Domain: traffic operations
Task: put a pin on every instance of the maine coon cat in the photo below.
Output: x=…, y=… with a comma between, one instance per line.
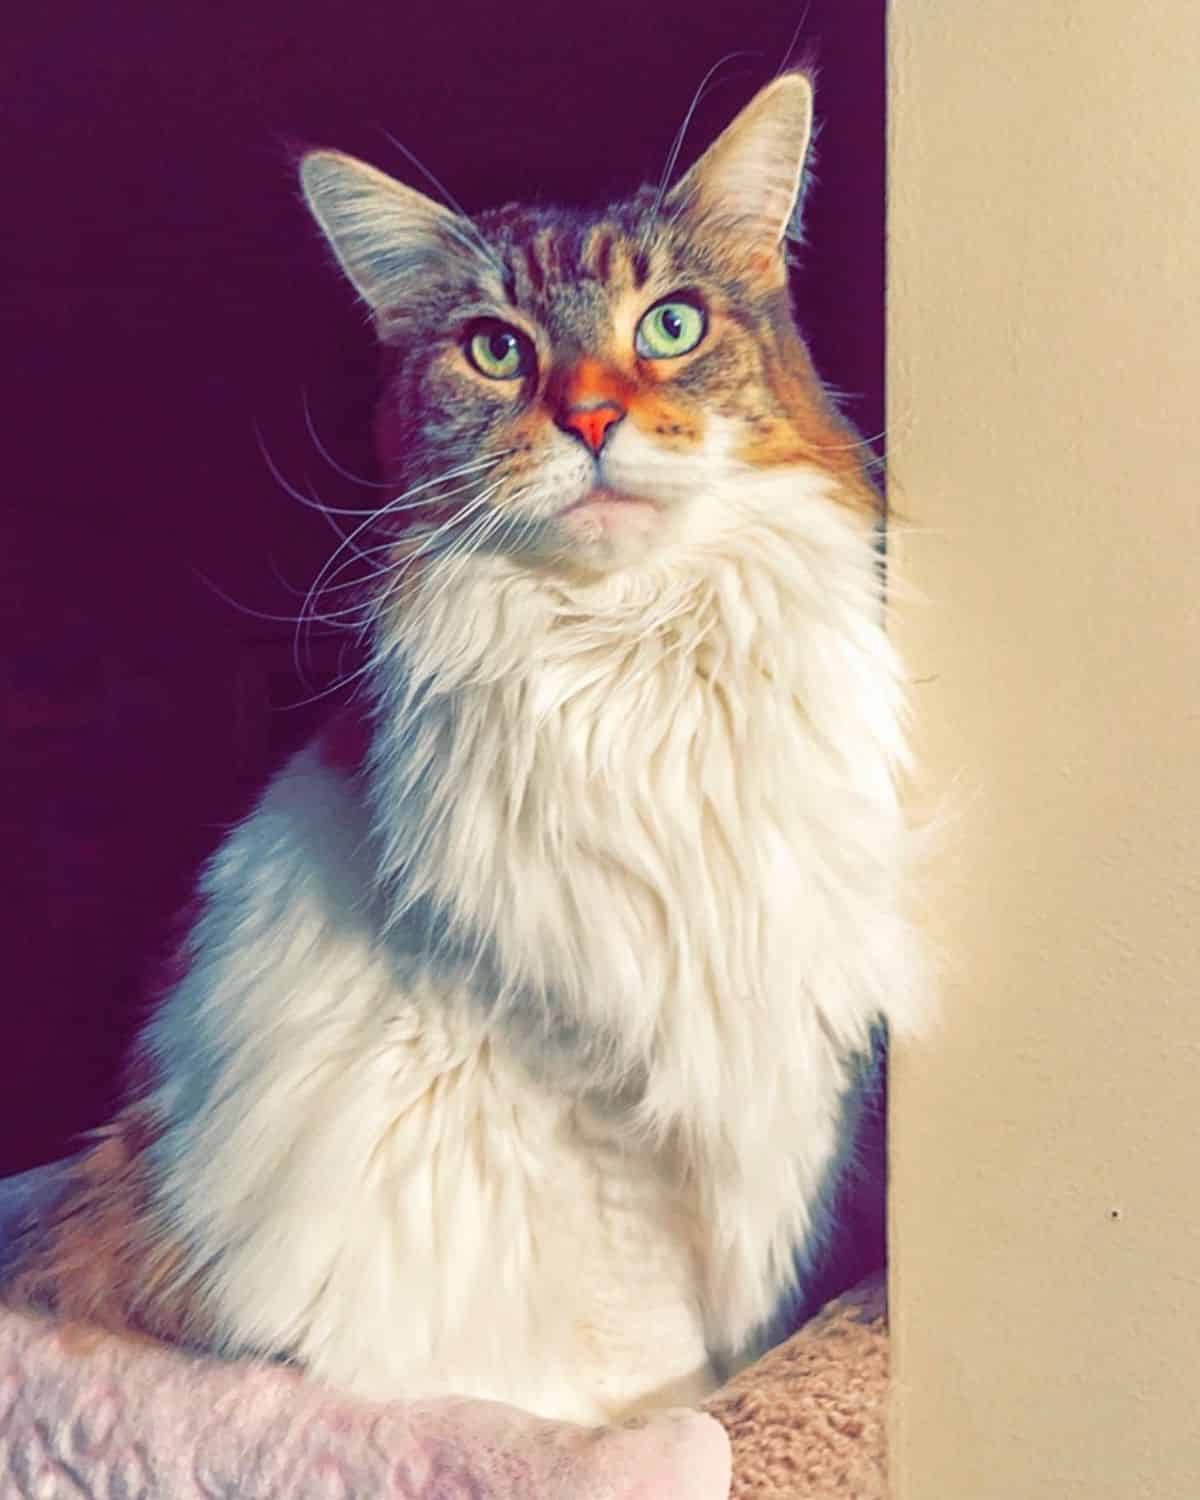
x=507, y=1049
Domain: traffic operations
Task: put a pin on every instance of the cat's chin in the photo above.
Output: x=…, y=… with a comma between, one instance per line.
x=608, y=529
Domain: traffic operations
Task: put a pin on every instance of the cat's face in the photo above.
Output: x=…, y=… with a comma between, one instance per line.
x=579, y=390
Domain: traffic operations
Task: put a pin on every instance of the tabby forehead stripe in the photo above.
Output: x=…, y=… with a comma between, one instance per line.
x=534, y=256
x=533, y=266
x=550, y=253
x=573, y=247
x=602, y=253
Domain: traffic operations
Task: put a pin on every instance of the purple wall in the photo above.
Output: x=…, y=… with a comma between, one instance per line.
x=163, y=294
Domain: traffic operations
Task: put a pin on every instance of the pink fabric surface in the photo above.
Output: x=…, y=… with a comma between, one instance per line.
x=85, y=1416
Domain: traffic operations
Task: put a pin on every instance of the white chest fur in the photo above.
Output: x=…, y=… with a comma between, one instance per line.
x=523, y=1078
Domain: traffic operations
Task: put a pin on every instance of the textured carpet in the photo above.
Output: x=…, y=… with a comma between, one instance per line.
x=809, y=1420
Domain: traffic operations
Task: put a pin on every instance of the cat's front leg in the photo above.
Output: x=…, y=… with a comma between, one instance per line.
x=762, y=1224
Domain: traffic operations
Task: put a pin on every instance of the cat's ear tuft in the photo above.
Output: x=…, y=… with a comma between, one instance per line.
x=383, y=233
x=750, y=182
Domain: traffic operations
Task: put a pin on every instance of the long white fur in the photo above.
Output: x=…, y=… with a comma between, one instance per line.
x=519, y=1076
x=515, y=1069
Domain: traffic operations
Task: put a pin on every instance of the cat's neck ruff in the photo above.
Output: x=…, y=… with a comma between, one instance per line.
x=657, y=808
x=785, y=552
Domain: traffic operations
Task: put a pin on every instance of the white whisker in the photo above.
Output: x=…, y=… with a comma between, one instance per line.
x=454, y=560
x=367, y=484
x=374, y=517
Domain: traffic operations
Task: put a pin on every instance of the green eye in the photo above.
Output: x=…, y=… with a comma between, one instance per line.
x=499, y=352
x=670, y=328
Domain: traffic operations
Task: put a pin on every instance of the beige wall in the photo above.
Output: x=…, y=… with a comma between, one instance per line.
x=1045, y=425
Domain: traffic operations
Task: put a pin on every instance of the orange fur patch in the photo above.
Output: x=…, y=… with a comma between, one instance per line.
x=808, y=429
x=99, y=1261
x=591, y=381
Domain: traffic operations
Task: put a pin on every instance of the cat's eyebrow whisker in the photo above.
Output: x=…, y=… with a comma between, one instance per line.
x=474, y=241
x=790, y=49
x=677, y=144
x=426, y=172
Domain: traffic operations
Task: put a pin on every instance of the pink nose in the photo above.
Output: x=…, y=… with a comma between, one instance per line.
x=592, y=423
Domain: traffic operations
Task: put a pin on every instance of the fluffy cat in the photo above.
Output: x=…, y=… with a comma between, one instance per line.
x=511, y=1038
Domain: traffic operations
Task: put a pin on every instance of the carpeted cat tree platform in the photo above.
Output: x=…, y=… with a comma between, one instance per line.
x=809, y=1420
x=87, y=1416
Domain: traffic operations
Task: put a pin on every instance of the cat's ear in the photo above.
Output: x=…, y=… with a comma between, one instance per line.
x=750, y=182
x=383, y=233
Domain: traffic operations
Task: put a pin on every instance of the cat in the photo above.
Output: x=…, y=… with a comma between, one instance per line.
x=511, y=1044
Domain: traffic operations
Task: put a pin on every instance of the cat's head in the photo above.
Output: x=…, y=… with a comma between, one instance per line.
x=581, y=389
